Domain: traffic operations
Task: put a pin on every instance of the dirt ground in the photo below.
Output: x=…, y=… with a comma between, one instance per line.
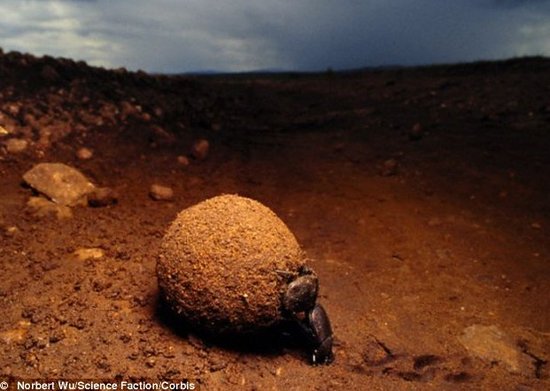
x=419, y=234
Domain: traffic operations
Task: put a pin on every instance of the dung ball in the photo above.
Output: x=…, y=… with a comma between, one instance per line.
x=225, y=265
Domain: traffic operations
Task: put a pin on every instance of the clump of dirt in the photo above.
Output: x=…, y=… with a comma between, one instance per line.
x=225, y=263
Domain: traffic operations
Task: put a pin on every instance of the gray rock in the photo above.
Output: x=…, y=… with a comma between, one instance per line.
x=491, y=344
x=60, y=183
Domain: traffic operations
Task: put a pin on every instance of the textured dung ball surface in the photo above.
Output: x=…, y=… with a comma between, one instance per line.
x=225, y=264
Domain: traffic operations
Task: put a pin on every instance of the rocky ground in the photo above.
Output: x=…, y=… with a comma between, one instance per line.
x=420, y=195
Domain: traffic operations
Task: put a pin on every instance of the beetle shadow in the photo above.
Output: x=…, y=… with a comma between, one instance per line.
x=286, y=337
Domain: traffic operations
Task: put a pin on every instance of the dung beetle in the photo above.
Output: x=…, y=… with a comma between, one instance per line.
x=300, y=303
x=321, y=332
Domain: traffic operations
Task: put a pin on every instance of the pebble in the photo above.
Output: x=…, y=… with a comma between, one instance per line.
x=127, y=109
x=158, y=112
x=183, y=160
x=60, y=183
x=83, y=254
x=200, y=149
x=161, y=193
x=84, y=153
x=10, y=231
x=16, y=145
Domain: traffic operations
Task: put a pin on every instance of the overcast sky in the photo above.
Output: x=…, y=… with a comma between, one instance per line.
x=237, y=35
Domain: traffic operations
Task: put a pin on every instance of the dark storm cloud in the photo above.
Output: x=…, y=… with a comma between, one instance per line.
x=517, y=3
x=406, y=32
x=183, y=35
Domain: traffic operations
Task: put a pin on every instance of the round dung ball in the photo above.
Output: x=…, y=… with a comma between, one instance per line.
x=225, y=265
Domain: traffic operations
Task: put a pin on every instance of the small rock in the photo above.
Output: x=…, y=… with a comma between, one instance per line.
x=41, y=207
x=127, y=109
x=62, y=184
x=102, y=196
x=108, y=112
x=183, y=160
x=44, y=140
x=3, y=131
x=158, y=112
x=536, y=225
x=389, y=167
x=83, y=254
x=10, y=231
x=491, y=344
x=416, y=132
x=14, y=109
x=84, y=153
x=161, y=193
x=200, y=149
x=16, y=145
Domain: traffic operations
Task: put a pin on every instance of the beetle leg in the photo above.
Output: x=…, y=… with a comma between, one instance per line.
x=319, y=324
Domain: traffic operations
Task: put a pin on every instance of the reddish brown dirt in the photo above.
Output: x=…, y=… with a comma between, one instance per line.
x=457, y=236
